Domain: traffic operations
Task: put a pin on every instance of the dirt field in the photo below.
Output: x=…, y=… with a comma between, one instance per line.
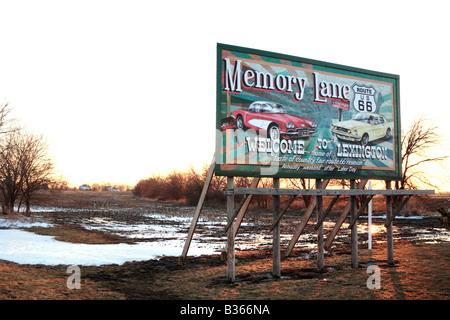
x=421, y=271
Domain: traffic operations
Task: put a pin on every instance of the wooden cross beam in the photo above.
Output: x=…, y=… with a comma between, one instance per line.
x=325, y=192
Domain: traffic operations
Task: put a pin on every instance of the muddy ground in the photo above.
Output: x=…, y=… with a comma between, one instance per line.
x=421, y=271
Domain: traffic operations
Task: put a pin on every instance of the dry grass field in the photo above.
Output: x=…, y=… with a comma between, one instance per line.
x=421, y=271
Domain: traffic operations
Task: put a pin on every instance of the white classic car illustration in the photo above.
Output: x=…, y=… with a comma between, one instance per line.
x=364, y=128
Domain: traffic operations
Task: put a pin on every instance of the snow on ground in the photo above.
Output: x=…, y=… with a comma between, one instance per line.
x=37, y=209
x=383, y=216
x=134, y=231
x=23, y=222
x=29, y=248
x=165, y=240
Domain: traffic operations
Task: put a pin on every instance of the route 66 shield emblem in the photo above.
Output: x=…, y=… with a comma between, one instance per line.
x=364, y=100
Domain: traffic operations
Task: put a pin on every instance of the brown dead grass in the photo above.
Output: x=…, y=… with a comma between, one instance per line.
x=421, y=272
x=39, y=282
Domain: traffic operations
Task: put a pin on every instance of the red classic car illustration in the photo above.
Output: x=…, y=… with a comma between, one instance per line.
x=272, y=118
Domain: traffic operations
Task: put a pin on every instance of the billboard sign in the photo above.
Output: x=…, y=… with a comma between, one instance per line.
x=290, y=117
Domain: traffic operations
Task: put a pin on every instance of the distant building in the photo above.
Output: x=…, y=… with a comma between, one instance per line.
x=85, y=187
x=110, y=188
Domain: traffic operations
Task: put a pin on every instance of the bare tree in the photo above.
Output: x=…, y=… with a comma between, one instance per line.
x=4, y=121
x=173, y=185
x=25, y=167
x=10, y=170
x=8, y=186
x=263, y=200
x=37, y=168
x=418, y=144
x=193, y=184
x=59, y=183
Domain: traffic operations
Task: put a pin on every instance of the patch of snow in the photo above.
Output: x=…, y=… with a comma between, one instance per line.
x=163, y=217
x=22, y=223
x=34, y=208
x=29, y=248
x=138, y=231
x=398, y=217
x=134, y=231
x=40, y=209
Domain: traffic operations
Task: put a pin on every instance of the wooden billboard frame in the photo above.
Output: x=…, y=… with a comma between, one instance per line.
x=235, y=216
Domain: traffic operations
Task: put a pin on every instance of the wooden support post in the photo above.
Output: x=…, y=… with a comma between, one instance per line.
x=303, y=223
x=353, y=213
x=197, y=212
x=341, y=219
x=319, y=209
x=230, y=233
x=276, y=232
x=390, y=235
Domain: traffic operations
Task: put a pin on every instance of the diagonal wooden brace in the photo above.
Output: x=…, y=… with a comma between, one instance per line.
x=197, y=212
x=283, y=211
x=341, y=219
x=361, y=210
x=311, y=208
x=243, y=209
x=238, y=209
x=399, y=208
x=326, y=212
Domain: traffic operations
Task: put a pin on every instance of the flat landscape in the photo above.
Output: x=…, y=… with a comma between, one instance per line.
x=128, y=248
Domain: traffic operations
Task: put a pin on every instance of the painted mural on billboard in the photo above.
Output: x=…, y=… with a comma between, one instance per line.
x=283, y=116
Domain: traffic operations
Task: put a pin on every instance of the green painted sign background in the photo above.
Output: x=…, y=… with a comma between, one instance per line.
x=284, y=116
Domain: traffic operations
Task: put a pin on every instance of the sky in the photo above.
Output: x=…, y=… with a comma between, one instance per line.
x=125, y=89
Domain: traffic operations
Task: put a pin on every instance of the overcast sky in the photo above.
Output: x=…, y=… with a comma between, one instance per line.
x=123, y=89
